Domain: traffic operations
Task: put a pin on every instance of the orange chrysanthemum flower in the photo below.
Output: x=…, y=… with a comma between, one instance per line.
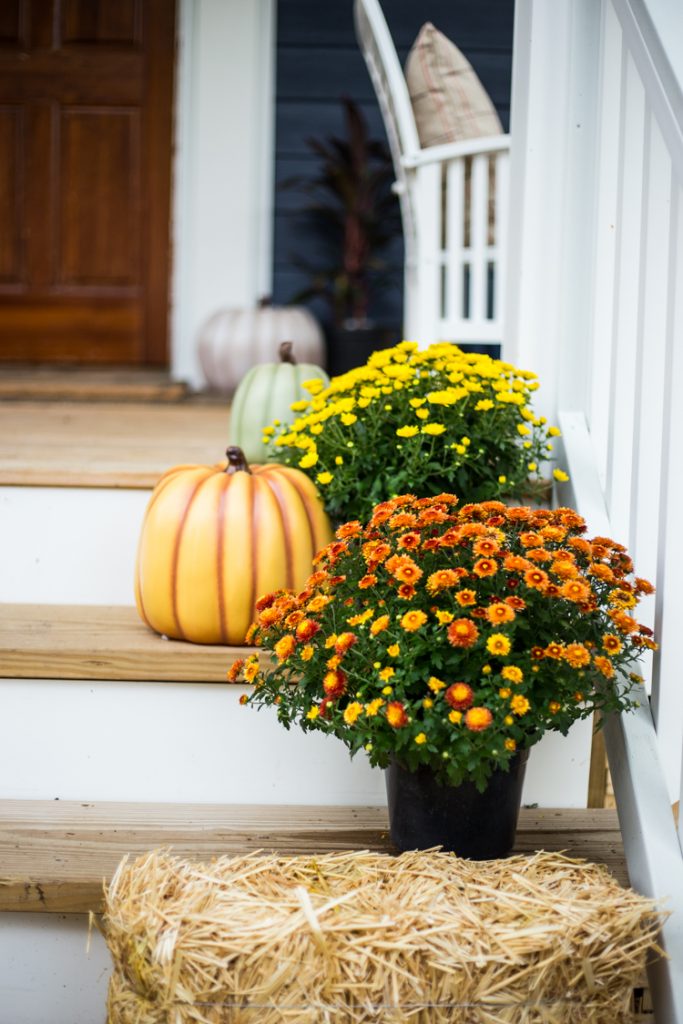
x=344, y=642
x=515, y=602
x=294, y=618
x=601, y=572
x=379, y=624
x=367, y=581
x=410, y=541
x=412, y=621
x=307, y=629
x=396, y=714
x=462, y=633
x=576, y=655
x=334, y=683
x=269, y=616
x=442, y=580
x=351, y=529
x=623, y=622
x=460, y=696
x=451, y=537
x=465, y=598
x=432, y=515
x=539, y=555
x=565, y=569
x=554, y=706
x=604, y=665
x=478, y=719
x=235, y=669
x=536, y=578
x=554, y=651
x=403, y=568
x=581, y=545
x=485, y=567
x=486, y=546
x=537, y=653
x=284, y=647
x=553, y=533
x=575, y=590
x=611, y=643
x=643, y=586
x=499, y=612
x=530, y=539
x=515, y=563
x=265, y=601
x=402, y=520
x=406, y=591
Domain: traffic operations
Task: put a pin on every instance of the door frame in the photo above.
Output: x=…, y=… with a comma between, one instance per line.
x=223, y=167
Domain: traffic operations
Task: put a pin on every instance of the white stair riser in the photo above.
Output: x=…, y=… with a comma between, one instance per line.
x=47, y=972
x=193, y=742
x=69, y=545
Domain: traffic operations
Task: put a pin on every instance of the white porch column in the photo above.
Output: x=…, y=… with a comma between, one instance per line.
x=223, y=171
x=552, y=195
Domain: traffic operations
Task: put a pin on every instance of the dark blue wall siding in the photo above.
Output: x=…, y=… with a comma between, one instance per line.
x=318, y=61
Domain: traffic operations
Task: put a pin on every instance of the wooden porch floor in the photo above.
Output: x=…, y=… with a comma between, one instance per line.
x=54, y=855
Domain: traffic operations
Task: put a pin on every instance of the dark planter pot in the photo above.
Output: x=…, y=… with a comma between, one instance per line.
x=423, y=813
x=349, y=347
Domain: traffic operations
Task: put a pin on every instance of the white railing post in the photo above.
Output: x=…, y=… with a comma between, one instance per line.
x=597, y=289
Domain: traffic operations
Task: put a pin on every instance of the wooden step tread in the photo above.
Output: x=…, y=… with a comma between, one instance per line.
x=47, y=641
x=78, y=383
x=54, y=855
x=105, y=444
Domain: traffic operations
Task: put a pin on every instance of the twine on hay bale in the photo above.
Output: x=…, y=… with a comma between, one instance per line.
x=364, y=937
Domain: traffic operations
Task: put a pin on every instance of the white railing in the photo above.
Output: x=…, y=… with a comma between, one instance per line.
x=453, y=208
x=596, y=308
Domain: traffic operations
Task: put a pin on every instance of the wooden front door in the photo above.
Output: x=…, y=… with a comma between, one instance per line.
x=86, y=91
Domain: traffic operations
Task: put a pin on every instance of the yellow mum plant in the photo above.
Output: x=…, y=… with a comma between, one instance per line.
x=452, y=637
x=423, y=421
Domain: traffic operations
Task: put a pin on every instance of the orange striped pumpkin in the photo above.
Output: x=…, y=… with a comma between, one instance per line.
x=215, y=538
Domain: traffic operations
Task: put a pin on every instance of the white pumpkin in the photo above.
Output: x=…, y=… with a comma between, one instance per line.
x=234, y=340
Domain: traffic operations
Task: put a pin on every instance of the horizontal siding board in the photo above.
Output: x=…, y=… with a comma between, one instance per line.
x=341, y=72
x=470, y=23
x=295, y=239
x=290, y=282
x=298, y=120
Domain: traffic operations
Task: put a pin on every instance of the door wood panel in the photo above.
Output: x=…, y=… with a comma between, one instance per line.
x=86, y=92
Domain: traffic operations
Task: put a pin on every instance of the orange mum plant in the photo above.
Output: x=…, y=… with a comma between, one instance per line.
x=452, y=637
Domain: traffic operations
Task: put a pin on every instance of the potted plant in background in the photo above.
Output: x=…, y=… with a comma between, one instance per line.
x=354, y=214
x=444, y=642
x=422, y=421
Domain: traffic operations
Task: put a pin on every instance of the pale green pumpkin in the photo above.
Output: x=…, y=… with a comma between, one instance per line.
x=265, y=394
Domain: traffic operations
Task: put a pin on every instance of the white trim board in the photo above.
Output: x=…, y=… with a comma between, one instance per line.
x=222, y=217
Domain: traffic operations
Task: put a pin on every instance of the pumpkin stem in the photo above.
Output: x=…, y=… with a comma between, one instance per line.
x=287, y=352
x=237, y=462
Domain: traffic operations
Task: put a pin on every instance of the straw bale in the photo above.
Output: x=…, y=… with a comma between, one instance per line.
x=363, y=937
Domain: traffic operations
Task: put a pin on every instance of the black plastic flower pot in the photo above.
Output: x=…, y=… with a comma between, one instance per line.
x=481, y=826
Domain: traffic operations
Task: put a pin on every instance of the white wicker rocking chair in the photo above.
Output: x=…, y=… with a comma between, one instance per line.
x=454, y=237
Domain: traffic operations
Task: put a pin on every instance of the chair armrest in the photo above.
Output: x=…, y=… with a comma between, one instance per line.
x=450, y=150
